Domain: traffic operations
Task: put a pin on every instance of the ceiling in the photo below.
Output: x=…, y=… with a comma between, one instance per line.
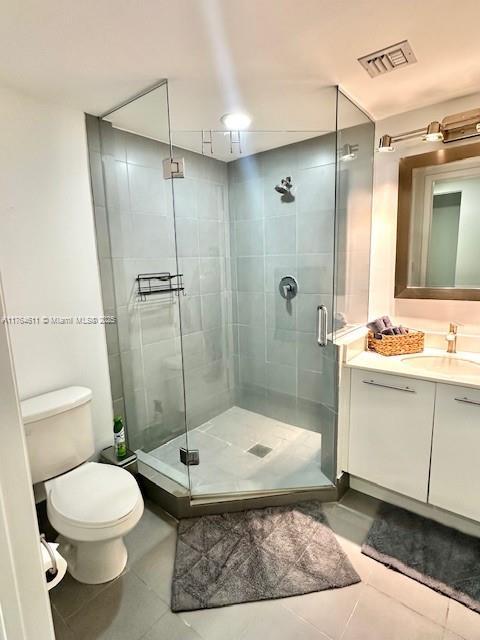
x=271, y=58
x=147, y=115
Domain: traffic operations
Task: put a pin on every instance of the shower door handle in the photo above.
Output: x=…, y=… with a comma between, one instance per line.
x=322, y=316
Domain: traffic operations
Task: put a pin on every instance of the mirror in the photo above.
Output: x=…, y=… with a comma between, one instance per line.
x=438, y=231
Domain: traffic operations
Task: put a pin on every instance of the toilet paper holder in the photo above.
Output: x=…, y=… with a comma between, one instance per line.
x=53, y=570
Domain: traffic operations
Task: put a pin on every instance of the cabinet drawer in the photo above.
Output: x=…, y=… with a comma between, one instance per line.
x=455, y=472
x=391, y=421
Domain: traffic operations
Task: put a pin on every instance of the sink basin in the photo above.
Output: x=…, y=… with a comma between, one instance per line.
x=442, y=364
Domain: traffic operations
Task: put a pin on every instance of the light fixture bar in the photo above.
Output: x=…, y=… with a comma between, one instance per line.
x=408, y=135
x=452, y=128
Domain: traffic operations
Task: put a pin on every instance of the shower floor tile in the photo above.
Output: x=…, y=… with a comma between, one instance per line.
x=226, y=463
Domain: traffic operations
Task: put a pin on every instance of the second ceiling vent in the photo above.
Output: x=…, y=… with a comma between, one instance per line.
x=388, y=59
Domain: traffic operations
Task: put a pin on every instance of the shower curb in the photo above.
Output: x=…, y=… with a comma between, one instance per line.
x=181, y=506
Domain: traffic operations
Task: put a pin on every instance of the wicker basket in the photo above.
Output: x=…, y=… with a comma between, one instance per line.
x=411, y=342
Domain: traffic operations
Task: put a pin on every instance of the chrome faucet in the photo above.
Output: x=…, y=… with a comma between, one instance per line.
x=451, y=338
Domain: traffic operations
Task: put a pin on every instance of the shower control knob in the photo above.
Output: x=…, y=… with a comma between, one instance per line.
x=288, y=287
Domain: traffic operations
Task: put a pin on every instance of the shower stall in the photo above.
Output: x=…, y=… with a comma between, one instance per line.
x=232, y=261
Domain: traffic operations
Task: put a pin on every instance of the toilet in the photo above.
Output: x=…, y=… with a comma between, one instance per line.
x=91, y=505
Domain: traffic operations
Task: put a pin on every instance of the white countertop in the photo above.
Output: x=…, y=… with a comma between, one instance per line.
x=371, y=361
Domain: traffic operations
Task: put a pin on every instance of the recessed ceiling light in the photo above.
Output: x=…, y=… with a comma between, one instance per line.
x=236, y=121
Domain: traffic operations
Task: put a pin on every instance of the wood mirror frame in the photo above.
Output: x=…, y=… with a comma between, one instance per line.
x=405, y=179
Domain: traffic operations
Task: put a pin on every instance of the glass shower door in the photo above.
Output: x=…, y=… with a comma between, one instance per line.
x=140, y=279
x=255, y=226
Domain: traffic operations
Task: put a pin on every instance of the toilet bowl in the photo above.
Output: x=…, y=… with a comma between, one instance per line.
x=93, y=507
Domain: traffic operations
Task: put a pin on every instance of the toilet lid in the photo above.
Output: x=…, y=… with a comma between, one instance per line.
x=94, y=495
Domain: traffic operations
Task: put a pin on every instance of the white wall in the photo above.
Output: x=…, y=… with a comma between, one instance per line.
x=47, y=251
x=422, y=314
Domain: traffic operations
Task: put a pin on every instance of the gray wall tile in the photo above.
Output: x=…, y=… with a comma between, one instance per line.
x=211, y=234
x=187, y=237
x=250, y=274
x=191, y=314
x=96, y=178
x=282, y=346
x=210, y=200
x=147, y=190
x=315, y=232
x=250, y=308
x=281, y=313
x=146, y=152
x=249, y=237
x=185, y=194
x=280, y=235
x=211, y=275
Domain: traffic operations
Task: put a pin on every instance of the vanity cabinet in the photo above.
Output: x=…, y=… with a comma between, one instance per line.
x=391, y=422
x=455, y=471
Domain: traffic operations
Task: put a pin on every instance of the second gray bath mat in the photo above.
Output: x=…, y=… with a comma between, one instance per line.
x=256, y=555
x=442, y=558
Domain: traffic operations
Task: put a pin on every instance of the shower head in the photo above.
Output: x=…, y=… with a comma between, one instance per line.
x=285, y=186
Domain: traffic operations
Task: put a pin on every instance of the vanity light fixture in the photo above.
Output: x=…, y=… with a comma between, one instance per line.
x=434, y=132
x=452, y=128
x=236, y=121
x=348, y=152
x=385, y=144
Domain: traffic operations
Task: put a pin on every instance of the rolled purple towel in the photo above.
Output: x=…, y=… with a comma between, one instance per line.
x=386, y=321
x=388, y=331
x=396, y=331
x=403, y=330
x=376, y=326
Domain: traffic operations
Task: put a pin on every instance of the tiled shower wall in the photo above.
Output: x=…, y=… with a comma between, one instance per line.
x=136, y=234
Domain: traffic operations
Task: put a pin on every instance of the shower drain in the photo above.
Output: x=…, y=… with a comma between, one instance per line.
x=260, y=450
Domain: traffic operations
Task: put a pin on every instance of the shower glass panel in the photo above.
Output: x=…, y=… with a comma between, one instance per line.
x=231, y=280
x=136, y=239
x=355, y=144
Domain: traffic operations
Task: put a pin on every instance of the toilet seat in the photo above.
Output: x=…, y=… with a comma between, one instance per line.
x=94, y=502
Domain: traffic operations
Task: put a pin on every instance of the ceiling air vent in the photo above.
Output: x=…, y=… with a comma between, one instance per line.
x=393, y=57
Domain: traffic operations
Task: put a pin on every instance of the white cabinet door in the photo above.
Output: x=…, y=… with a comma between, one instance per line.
x=455, y=473
x=391, y=421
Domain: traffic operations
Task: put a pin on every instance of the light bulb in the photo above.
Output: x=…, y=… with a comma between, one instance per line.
x=236, y=121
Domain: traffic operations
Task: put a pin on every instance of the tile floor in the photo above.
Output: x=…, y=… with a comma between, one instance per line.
x=227, y=465
x=385, y=606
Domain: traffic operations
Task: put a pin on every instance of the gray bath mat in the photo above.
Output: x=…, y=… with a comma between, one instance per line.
x=256, y=555
x=440, y=557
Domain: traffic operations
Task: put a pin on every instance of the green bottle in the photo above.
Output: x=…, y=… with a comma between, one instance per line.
x=120, y=444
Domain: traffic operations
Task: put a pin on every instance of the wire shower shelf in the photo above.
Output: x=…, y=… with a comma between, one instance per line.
x=162, y=282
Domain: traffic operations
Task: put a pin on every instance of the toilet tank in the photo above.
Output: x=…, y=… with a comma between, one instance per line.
x=59, y=431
